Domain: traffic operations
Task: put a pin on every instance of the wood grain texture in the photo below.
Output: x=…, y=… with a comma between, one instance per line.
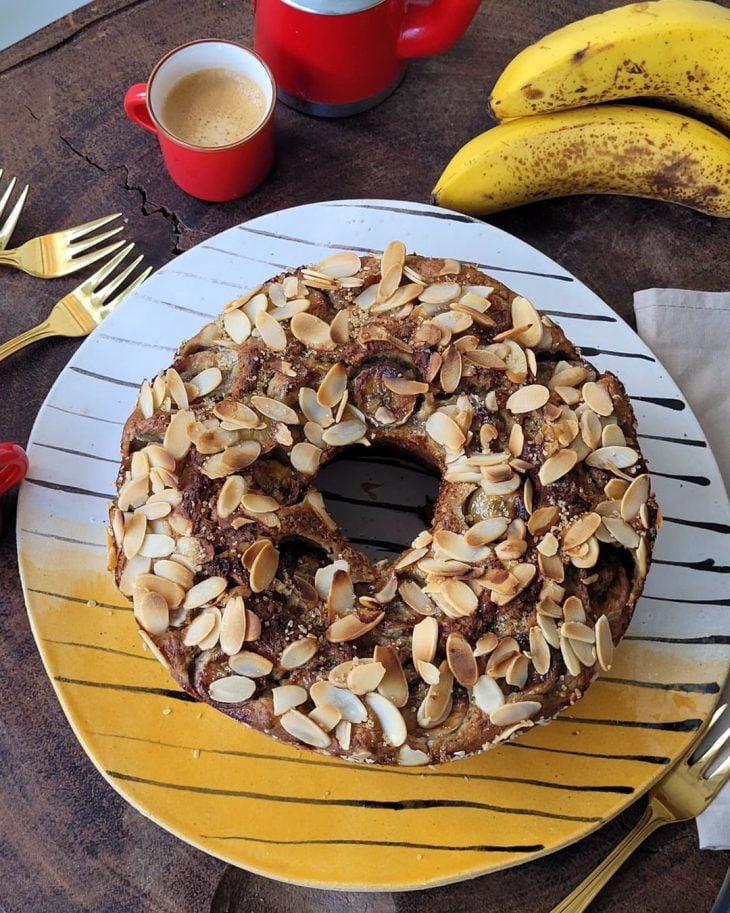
x=69, y=842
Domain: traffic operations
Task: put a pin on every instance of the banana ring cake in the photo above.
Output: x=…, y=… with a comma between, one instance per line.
x=494, y=620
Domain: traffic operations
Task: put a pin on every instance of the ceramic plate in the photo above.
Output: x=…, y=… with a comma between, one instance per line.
x=287, y=813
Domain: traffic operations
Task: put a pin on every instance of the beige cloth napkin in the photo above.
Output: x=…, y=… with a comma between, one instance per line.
x=690, y=334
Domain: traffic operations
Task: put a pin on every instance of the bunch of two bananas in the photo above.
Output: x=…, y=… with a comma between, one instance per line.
x=559, y=137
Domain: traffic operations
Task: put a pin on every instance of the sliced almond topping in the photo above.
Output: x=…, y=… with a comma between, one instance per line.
x=200, y=627
x=365, y=677
x=525, y=315
x=341, y=595
x=253, y=627
x=413, y=596
x=403, y=386
x=590, y=429
x=271, y=331
x=556, y=466
x=438, y=701
x=389, y=717
x=425, y=639
x=312, y=409
x=171, y=592
x=333, y=386
x=567, y=376
x=486, y=531
x=350, y=627
x=622, y=532
x=304, y=729
x=366, y=298
x=237, y=325
x=572, y=663
x=485, y=644
x=598, y=398
x=578, y=630
x=445, y=431
x=391, y=269
x=580, y=531
x=610, y=457
x=542, y=519
x=516, y=673
x=549, y=630
x=635, y=496
x=612, y=436
x=461, y=660
x=451, y=369
x=487, y=694
x=340, y=265
x=139, y=466
x=515, y=712
x=207, y=381
x=285, y=697
x=233, y=626
x=133, y=493
x=204, y=592
x=174, y=571
x=548, y=545
x=273, y=409
x=231, y=460
x=502, y=656
x=528, y=399
x=351, y=707
x=311, y=331
x=393, y=684
x=459, y=596
x=412, y=757
x=232, y=689
x=255, y=503
x=516, y=440
x=604, y=643
x=615, y=489
x=573, y=609
x=299, y=653
x=150, y=609
x=539, y=651
x=510, y=549
x=326, y=716
x=305, y=458
x=157, y=545
x=135, y=531
x=229, y=497
x=440, y=293
x=264, y=567
x=344, y=433
x=145, y=402
x=251, y=664
x=451, y=545
x=450, y=266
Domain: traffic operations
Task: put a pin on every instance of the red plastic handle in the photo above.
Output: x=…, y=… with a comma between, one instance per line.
x=433, y=28
x=13, y=466
x=135, y=106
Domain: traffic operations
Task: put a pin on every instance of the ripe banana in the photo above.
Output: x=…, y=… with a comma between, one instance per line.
x=674, y=50
x=623, y=149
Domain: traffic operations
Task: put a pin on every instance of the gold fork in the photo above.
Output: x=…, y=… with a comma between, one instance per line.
x=10, y=222
x=680, y=795
x=57, y=254
x=83, y=309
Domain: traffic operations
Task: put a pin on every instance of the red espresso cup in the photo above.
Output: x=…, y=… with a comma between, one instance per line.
x=216, y=164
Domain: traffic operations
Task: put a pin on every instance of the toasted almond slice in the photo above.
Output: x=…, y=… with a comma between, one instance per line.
x=367, y=297
x=135, y=530
x=573, y=609
x=199, y=628
x=387, y=592
x=451, y=545
x=585, y=653
x=250, y=664
x=285, y=697
x=312, y=409
x=459, y=596
x=232, y=689
x=622, y=532
x=577, y=630
x=525, y=315
x=158, y=456
x=438, y=701
x=510, y=549
x=253, y=627
x=568, y=376
x=341, y=595
x=461, y=660
x=298, y=653
x=580, y=530
x=516, y=673
x=598, y=398
x=333, y=386
x=150, y=609
x=389, y=717
x=324, y=575
x=340, y=265
x=403, y=386
x=549, y=630
x=343, y=734
x=444, y=430
x=393, y=684
x=311, y=331
x=528, y=399
x=264, y=567
x=348, y=432
x=548, y=545
x=205, y=592
x=487, y=694
x=233, y=626
x=288, y=310
x=604, y=643
x=516, y=440
x=542, y=519
x=515, y=712
x=229, y=497
x=351, y=707
x=305, y=458
x=365, y=677
x=413, y=596
x=485, y=644
x=440, y=293
x=486, y=531
x=255, y=503
x=612, y=436
x=139, y=466
x=424, y=639
x=350, y=627
x=326, y=716
x=157, y=545
x=557, y=465
x=539, y=650
x=171, y=592
x=449, y=266
x=145, y=401
x=133, y=493
x=237, y=325
x=504, y=488
x=635, y=496
x=615, y=489
x=207, y=381
x=412, y=757
x=610, y=457
x=273, y=409
x=451, y=369
x=505, y=651
x=174, y=571
x=304, y=729
x=271, y=331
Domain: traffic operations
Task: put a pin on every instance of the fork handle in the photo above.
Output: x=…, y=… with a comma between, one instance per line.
x=654, y=817
x=42, y=331
x=8, y=258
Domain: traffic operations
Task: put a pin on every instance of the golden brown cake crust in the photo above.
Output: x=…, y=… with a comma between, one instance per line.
x=496, y=618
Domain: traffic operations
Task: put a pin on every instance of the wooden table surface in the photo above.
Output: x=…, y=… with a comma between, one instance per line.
x=69, y=842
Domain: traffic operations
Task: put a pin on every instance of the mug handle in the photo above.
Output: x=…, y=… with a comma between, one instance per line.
x=135, y=106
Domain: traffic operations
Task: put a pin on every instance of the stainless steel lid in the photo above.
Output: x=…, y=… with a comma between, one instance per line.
x=333, y=7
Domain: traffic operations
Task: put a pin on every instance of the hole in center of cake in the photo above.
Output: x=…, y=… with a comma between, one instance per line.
x=381, y=498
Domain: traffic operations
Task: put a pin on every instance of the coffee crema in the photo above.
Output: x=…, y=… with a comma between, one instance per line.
x=213, y=107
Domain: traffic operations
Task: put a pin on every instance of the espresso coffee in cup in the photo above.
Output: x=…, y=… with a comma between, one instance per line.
x=213, y=107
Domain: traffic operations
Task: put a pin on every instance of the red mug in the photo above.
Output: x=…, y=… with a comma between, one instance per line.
x=333, y=58
x=209, y=172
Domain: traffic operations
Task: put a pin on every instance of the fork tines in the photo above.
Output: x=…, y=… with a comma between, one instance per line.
x=10, y=222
